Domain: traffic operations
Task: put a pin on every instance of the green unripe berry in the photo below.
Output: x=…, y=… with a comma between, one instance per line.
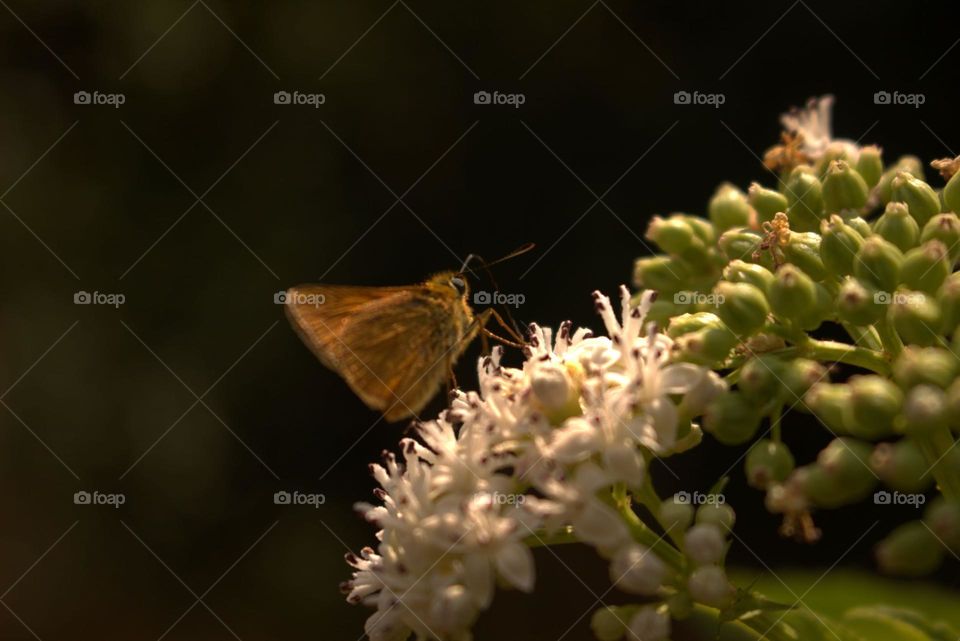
x=897, y=226
x=901, y=466
x=875, y=401
x=766, y=202
x=920, y=197
x=742, y=307
x=843, y=188
x=878, y=264
x=911, y=550
x=732, y=419
x=768, y=462
x=858, y=305
x=946, y=229
x=870, y=165
x=729, y=208
x=839, y=246
x=739, y=271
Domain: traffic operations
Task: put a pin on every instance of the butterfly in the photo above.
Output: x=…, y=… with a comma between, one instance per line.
x=394, y=346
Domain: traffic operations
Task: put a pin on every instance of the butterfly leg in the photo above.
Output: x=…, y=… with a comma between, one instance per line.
x=484, y=317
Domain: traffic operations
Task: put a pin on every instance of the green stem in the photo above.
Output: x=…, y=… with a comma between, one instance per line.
x=542, y=538
x=647, y=537
x=935, y=446
x=845, y=353
x=775, y=421
x=865, y=336
x=889, y=337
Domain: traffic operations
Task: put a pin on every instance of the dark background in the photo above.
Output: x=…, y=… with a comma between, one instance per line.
x=95, y=200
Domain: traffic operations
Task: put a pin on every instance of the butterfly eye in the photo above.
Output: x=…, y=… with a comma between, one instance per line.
x=459, y=285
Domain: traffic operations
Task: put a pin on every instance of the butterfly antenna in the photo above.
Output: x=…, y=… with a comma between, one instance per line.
x=523, y=249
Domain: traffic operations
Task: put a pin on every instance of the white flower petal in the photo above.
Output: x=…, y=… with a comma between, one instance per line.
x=679, y=378
x=514, y=563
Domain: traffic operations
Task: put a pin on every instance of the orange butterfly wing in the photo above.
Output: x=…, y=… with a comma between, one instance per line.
x=392, y=345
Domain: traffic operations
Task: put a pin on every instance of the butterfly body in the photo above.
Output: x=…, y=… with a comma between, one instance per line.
x=394, y=346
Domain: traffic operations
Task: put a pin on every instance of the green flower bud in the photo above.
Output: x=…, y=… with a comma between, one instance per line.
x=803, y=250
x=921, y=199
x=839, y=246
x=874, y=403
x=858, y=305
x=930, y=365
x=742, y=243
x=662, y=273
x=924, y=410
x=925, y=267
x=870, y=165
x=949, y=298
x=760, y=377
x=901, y=466
x=909, y=164
x=799, y=375
x=822, y=310
x=662, y=310
x=846, y=461
x=946, y=229
x=708, y=346
x=738, y=271
x=687, y=323
x=804, y=199
x=916, y=317
x=844, y=188
x=911, y=550
x=829, y=402
x=676, y=516
x=680, y=606
x=709, y=585
x=742, y=306
x=732, y=419
x=701, y=227
x=718, y=514
x=953, y=405
x=768, y=462
x=729, y=208
x=835, y=151
x=951, y=193
x=674, y=235
x=878, y=264
x=861, y=226
x=943, y=517
x=897, y=226
x=792, y=293
x=766, y=202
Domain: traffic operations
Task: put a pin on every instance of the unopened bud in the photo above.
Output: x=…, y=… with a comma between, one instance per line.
x=909, y=164
x=829, y=403
x=901, y=466
x=676, y=516
x=799, y=375
x=870, y=165
x=878, y=264
x=911, y=550
x=760, y=377
x=739, y=271
x=951, y=193
x=897, y=226
x=607, y=624
x=661, y=273
x=709, y=585
x=925, y=267
x=792, y=293
x=943, y=517
x=705, y=544
x=674, y=235
x=804, y=199
x=650, y=624
x=766, y=202
x=874, y=403
x=768, y=462
x=732, y=419
x=917, y=318
x=839, y=246
x=919, y=365
x=729, y=208
x=744, y=244
x=920, y=197
x=803, y=250
x=946, y=229
x=716, y=513
x=743, y=308
x=858, y=305
x=844, y=188
x=634, y=568
x=924, y=410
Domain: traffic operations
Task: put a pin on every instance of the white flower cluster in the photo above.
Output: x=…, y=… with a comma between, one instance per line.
x=526, y=457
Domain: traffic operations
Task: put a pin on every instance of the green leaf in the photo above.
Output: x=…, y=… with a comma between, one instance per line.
x=934, y=631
